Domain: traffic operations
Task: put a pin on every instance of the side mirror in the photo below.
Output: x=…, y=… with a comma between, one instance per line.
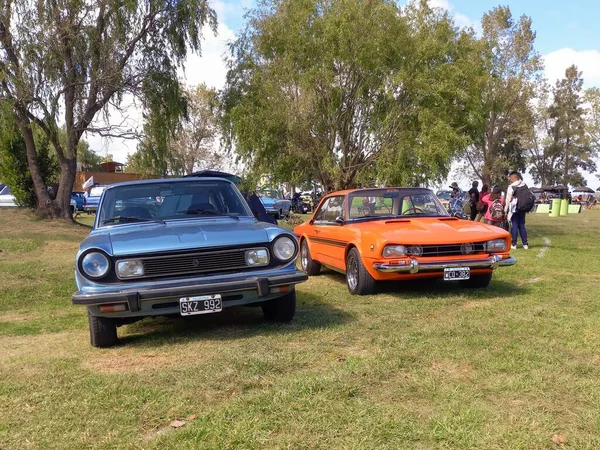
x=311, y=222
x=339, y=220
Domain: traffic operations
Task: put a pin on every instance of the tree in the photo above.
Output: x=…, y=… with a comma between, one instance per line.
x=13, y=162
x=570, y=143
x=512, y=68
x=591, y=98
x=77, y=58
x=188, y=147
x=348, y=92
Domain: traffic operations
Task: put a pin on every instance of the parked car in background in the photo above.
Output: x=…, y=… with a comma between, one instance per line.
x=444, y=197
x=90, y=203
x=6, y=198
x=393, y=234
x=197, y=249
x=79, y=197
x=274, y=203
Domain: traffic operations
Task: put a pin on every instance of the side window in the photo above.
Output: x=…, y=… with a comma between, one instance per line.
x=335, y=209
x=320, y=215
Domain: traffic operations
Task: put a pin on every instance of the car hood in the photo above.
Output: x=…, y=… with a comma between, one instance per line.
x=425, y=231
x=185, y=235
x=268, y=200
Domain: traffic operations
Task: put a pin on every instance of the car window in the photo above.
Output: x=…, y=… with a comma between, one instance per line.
x=175, y=200
x=331, y=209
x=5, y=191
x=394, y=202
x=97, y=191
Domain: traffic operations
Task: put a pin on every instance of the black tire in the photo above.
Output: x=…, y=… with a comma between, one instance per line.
x=103, y=331
x=359, y=281
x=73, y=209
x=477, y=281
x=281, y=309
x=310, y=266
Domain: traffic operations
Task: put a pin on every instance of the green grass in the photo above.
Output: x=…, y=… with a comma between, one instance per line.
x=416, y=366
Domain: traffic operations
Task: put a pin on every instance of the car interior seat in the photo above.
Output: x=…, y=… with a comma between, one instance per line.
x=136, y=211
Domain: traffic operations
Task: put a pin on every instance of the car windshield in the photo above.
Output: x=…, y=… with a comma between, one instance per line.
x=97, y=191
x=444, y=195
x=162, y=201
x=268, y=193
x=384, y=203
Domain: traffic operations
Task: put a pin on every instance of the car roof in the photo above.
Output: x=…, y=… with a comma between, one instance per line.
x=168, y=180
x=393, y=189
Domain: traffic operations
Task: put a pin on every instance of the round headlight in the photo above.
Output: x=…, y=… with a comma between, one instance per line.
x=284, y=248
x=95, y=265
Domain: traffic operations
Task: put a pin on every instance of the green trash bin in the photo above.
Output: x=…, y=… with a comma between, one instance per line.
x=564, y=207
x=555, y=209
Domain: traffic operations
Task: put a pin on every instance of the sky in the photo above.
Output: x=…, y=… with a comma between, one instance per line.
x=566, y=33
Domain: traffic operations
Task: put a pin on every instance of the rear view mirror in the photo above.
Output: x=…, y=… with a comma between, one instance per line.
x=339, y=220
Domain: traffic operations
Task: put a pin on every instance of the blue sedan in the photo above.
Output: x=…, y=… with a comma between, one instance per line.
x=181, y=247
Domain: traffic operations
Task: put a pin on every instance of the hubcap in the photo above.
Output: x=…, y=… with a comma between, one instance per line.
x=304, y=257
x=352, y=273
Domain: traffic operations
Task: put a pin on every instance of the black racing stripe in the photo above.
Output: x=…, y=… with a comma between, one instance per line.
x=328, y=241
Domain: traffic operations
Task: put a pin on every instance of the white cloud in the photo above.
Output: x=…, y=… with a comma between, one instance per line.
x=587, y=61
x=460, y=19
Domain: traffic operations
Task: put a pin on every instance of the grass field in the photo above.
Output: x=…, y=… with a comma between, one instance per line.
x=416, y=366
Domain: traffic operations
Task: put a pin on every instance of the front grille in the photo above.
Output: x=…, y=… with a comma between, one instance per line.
x=194, y=263
x=448, y=250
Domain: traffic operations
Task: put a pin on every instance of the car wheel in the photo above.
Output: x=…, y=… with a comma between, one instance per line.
x=308, y=265
x=281, y=309
x=103, y=331
x=359, y=281
x=477, y=281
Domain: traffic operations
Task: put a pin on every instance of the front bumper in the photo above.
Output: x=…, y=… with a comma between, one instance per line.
x=413, y=266
x=260, y=287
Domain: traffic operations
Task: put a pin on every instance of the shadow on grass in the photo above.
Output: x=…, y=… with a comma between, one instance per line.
x=436, y=288
x=236, y=323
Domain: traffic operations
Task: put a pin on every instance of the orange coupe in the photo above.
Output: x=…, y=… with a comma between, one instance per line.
x=398, y=234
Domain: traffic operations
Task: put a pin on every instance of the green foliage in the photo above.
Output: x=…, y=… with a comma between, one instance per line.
x=76, y=57
x=512, y=68
x=13, y=163
x=349, y=92
x=174, y=147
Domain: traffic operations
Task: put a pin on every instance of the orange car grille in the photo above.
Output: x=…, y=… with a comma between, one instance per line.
x=446, y=250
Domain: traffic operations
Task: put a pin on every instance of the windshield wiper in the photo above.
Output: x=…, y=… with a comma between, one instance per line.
x=123, y=219
x=209, y=212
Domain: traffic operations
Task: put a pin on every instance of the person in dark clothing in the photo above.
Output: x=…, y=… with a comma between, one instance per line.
x=474, y=195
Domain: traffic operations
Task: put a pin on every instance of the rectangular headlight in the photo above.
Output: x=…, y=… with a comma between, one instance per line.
x=496, y=245
x=130, y=268
x=257, y=257
x=394, y=251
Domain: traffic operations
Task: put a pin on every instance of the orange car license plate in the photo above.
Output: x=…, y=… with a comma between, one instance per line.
x=460, y=273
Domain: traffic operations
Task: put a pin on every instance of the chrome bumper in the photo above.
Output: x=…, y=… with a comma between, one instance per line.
x=414, y=266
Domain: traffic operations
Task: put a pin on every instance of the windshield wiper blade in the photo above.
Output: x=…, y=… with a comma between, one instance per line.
x=209, y=212
x=123, y=219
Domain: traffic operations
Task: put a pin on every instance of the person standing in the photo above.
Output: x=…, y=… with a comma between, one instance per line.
x=482, y=206
x=474, y=195
x=494, y=202
x=514, y=216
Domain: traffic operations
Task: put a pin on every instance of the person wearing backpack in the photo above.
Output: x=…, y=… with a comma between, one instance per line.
x=494, y=214
x=518, y=204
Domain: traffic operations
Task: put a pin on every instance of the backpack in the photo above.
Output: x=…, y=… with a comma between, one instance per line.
x=497, y=210
x=525, y=199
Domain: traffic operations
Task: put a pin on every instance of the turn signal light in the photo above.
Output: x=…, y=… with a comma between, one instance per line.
x=280, y=289
x=113, y=308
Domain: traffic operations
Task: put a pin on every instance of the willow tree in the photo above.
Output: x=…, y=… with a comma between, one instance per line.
x=64, y=62
x=348, y=92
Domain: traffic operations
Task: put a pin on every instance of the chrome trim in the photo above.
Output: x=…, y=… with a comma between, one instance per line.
x=414, y=266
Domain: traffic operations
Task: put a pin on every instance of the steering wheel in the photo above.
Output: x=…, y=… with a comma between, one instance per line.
x=415, y=209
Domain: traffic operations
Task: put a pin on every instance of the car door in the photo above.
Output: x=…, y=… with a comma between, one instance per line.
x=330, y=245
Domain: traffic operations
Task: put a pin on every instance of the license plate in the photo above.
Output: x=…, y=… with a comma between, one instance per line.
x=204, y=304
x=460, y=273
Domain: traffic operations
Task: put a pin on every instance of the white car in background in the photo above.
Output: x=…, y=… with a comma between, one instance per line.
x=6, y=198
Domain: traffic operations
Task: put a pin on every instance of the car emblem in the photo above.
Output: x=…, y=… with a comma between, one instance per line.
x=195, y=262
x=466, y=249
x=415, y=250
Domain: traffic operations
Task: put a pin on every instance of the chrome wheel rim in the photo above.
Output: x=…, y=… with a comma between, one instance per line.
x=304, y=257
x=352, y=273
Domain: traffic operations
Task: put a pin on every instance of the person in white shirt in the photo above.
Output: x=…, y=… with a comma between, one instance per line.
x=513, y=215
